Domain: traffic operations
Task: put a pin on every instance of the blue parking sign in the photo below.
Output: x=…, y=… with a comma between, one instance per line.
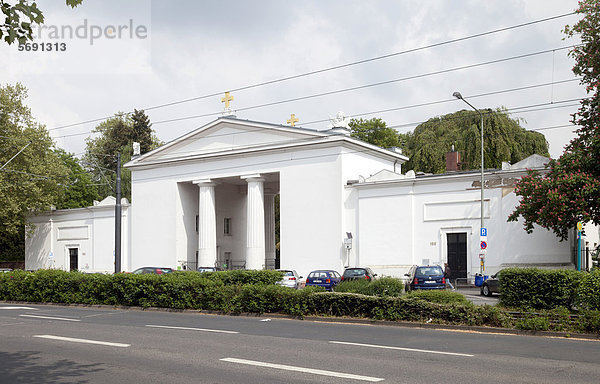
x=483, y=232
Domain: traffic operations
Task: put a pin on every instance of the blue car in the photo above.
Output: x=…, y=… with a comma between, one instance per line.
x=425, y=277
x=323, y=278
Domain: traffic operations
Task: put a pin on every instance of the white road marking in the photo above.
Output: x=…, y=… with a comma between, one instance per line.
x=28, y=308
x=191, y=329
x=84, y=341
x=301, y=369
x=403, y=349
x=49, y=317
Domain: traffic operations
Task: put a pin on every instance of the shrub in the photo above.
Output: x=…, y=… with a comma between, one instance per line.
x=386, y=286
x=588, y=294
x=538, y=289
x=441, y=296
x=536, y=323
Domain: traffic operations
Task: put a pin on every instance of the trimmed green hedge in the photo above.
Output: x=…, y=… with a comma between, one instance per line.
x=538, y=288
x=229, y=292
x=386, y=286
x=440, y=297
x=588, y=294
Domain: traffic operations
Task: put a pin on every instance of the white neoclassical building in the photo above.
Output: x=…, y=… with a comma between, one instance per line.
x=208, y=199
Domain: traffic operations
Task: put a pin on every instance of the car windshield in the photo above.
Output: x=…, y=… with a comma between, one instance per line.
x=319, y=275
x=429, y=271
x=288, y=273
x=355, y=272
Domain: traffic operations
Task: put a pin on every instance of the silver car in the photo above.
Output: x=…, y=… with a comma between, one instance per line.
x=290, y=279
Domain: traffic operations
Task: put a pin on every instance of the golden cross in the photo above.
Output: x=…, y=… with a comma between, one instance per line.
x=227, y=99
x=293, y=120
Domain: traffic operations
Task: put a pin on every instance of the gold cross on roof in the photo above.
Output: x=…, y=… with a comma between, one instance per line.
x=227, y=99
x=293, y=120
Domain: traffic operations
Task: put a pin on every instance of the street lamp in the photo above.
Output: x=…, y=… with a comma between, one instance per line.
x=459, y=96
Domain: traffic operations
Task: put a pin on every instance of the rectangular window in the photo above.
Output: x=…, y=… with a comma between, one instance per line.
x=197, y=222
x=227, y=226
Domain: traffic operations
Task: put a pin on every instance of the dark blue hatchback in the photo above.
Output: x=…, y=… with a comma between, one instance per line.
x=323, y=278
x=426, y=277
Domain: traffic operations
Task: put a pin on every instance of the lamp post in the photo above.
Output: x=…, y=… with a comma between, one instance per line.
x=459, y=96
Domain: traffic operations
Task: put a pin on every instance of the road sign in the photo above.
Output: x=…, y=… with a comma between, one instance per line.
x=483, y=245
x=579, y=226
x=483, y=232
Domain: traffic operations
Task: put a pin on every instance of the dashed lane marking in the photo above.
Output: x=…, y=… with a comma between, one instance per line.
x=49, y=317
x=302, y=369
x=190, y=329
x=83, y=341
x=402, y=349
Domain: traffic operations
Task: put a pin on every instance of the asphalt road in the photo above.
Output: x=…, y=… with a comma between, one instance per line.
x=54, y=344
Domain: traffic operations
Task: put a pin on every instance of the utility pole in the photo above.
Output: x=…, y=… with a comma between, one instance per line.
x=118, y=218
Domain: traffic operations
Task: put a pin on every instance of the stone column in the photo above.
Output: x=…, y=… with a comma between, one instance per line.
x=270, y=229
x=255, y=227
x=207, y=224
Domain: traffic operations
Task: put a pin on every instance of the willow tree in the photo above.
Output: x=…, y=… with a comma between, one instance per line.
x=504, y=140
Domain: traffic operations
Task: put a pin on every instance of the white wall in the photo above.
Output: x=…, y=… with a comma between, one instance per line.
x=402, y=223
x=91, y=230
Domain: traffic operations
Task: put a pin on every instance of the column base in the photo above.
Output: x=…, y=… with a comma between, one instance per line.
x=255, y=258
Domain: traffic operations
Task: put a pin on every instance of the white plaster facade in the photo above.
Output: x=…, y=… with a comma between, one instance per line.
x=247, y=163
x=82, y=236
x=402, y=220
x=207, y=198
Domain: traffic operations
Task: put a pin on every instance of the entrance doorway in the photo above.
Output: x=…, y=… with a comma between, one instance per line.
x=457, y=254
x=73, y=259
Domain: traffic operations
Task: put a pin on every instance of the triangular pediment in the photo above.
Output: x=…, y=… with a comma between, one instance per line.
x=227, y=135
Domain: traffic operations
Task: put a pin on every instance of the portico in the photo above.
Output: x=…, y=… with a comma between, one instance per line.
x=235, y=222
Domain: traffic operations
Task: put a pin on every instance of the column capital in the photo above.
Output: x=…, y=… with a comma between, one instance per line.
x=204, y=182
x=253, y=177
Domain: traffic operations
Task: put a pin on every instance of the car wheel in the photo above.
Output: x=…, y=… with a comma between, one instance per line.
x=485, y=290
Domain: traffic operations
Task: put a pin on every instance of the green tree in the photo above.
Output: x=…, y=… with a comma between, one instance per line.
x=34, y=179
x=504, y=140
x=117, y=135
x=570, y=191
x=19, y=16
x=374, y=131
x=80, y=191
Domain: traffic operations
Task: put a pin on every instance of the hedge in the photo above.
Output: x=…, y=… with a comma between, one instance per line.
x=539, y=289
x=231, y=294
x=385, y=286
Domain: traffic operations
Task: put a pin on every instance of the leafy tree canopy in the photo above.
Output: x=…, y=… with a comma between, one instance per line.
x=504, y=140
x=374, y=131
x=80, y=190
x=117, y=135
x=34, y=179
x=19, y=16
x=570, y=191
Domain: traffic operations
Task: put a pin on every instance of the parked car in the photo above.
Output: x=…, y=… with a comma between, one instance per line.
x=290, y=279
x=425, y=277
x=323, y=278
x=5, y=270
x=490, y=285
x=358, y=274
x=207, y=269
x=150, y=270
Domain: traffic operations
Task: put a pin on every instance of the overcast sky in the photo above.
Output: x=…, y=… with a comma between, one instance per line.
x=169, y=51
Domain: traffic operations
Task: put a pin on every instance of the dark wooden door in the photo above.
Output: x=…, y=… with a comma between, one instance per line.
x=457, y=254
x=73, y=259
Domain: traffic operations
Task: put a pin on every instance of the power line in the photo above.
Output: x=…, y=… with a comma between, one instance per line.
x=406, y=107
x=332, y=68
x=367, y=86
